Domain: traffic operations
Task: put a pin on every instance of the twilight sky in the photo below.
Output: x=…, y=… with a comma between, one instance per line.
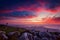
x=30, y=11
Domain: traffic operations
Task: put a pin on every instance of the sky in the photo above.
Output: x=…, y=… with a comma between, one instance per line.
x=30, y=11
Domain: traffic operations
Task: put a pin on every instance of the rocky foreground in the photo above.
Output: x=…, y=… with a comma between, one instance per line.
x=10, y=33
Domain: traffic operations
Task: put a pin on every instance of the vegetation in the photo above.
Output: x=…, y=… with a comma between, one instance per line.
x=10, y=29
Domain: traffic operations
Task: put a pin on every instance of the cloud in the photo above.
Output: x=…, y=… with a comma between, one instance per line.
x=17, y=14
x=14, y=9
x=57, y=19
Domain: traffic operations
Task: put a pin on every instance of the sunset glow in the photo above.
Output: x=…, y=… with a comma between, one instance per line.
x=30, y=12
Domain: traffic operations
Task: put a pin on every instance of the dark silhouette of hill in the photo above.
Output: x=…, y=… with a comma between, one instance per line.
x=11, y=28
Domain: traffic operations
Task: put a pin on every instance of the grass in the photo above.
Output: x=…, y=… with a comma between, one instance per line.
x=10, y=28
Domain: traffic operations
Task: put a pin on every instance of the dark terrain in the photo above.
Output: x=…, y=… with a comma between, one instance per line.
x=16, y=33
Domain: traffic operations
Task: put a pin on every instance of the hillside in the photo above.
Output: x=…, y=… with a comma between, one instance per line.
x=11, y=28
